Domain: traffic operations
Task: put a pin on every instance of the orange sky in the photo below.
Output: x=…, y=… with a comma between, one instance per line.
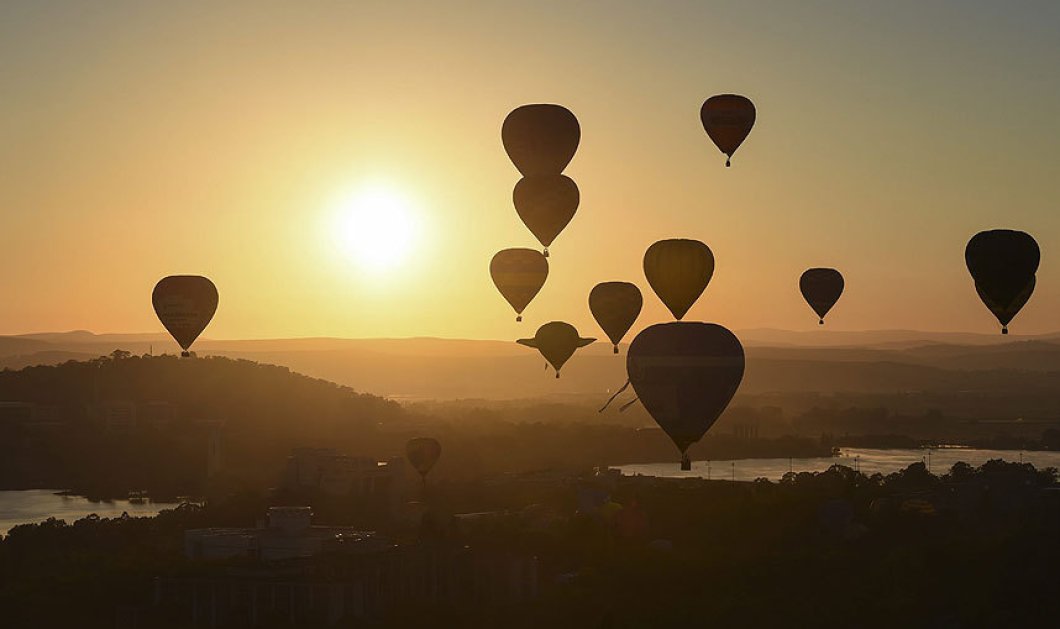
x=139, y=141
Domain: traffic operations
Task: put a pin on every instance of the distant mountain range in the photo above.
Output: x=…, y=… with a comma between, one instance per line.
x=430, y=368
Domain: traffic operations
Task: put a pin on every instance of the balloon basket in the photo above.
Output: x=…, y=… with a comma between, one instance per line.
x=185, y=354
x=686, y=464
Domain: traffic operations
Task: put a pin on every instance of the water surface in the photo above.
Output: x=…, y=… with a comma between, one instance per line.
x=37, y=505
x=868, y=460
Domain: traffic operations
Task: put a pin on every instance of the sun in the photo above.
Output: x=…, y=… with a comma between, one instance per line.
x=375, y=226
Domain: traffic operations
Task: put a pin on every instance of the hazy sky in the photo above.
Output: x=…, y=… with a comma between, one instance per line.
x=142, y=139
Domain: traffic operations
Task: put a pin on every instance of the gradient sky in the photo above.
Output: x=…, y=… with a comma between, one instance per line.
x=142, y=139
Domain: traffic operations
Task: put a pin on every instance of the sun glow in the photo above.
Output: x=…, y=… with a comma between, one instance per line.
x=376, y=227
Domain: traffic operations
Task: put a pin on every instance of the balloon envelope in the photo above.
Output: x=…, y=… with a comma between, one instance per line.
x=519, y=275
x=546, y=203
x=540, y=139
x=615, y=306
x=685, y=374
x=185, y=304
x=821, y=289
x=557, y=342
x=1003, y=264
x=678, y=270
x=727, y=119
x=1006, y=311
x=423, y=453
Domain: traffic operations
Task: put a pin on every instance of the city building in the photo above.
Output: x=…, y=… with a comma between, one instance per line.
x=286, y=534
x=327, y=471
x=303, y=575
x=348, y=587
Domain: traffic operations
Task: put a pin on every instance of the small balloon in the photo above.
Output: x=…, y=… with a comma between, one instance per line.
x=423, y=453
x=615, y=306
x=678, y=270
x=546, y=204
x=540, y=139
x=821, y=288
x=519, y=275
x=728, y=119
x=185, y=304
x=1003, y=264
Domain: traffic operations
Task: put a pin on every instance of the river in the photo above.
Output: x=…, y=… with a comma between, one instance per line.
x=37, y=505
x=868, y=460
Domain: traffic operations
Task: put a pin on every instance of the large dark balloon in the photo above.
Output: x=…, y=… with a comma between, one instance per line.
x=519, y=275
x=540, y=139
x=556, y=341
x=1003, y=264
x=678, y=270
x=727, y=119
x=185, y=304
x=821, y=288
x=423, y=453
x=685, y=374
x=615, y=306
x=546, y=203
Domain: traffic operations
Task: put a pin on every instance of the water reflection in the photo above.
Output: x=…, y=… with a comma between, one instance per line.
x=868, y=461
x=37, y=505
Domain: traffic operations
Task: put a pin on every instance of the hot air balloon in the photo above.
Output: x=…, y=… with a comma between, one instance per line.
x=821, y=288
x=556, y=341
x=678, y=270
x=615, y=306
x=185, y=304
x=540, y=139
x=685, y=374
x=1003, y=264
x=728, y=118
x=546, y=203
x=423, y=453
x=519, y=274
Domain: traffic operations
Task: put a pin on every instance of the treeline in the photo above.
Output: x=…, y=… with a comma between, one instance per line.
x=973, y=547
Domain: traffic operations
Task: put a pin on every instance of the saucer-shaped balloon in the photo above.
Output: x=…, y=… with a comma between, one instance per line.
x=557, y=342
x=185, y=304
x=541, y=139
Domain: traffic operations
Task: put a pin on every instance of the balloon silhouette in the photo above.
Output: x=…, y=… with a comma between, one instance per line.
x=685, y=374
x=615, y=306
x=185, y=304
x=727, y=119
x=821, y=288
x=678, y=271
x=1003, y=264
x=540, y=139
x=423, y=453
x=557, y=342
x=519, y=275
x=546, y=203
